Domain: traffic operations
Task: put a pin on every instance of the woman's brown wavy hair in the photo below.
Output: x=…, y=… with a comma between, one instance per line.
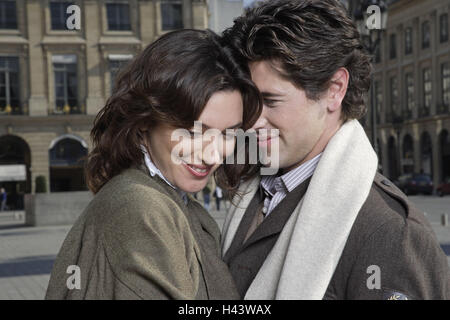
x=170, y=82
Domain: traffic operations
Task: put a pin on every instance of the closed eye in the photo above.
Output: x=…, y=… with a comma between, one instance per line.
x=195, y=134
x=230, y=134
x=270, y=102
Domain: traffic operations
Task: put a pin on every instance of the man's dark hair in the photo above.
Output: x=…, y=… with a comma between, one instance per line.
x=309, y=40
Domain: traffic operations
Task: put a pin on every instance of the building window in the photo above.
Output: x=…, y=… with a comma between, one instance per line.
x=394, y=97
x=393, y=46
x=378, y=100
x=172, y=14
x=409, y=80
x=445, y=76
x=8, y=15
x=443, y=27
x=116, y=63
x=427, y=93
x=9, y=85
x=65, y=73
x=426, y=35
x=118, y=16
x=59, y=15
x=408, y=41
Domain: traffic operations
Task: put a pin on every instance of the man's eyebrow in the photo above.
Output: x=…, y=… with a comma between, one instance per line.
x=266, y=94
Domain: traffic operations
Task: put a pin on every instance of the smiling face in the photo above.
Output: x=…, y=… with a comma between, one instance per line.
x=304, y=125
x=198, y=159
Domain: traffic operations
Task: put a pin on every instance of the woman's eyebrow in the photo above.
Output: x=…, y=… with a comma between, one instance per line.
x=235, y=126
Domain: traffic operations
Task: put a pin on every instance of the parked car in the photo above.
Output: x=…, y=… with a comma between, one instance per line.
x=443, y=188
x=415, y=183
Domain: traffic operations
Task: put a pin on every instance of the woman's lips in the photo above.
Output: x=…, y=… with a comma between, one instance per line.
x=198, y=171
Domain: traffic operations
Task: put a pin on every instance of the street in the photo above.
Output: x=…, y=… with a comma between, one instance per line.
x=27, y=253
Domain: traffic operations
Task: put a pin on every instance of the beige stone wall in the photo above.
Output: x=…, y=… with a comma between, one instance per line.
x=402, y=15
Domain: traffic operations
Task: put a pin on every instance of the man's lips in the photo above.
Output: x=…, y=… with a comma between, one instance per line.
x=265, y=141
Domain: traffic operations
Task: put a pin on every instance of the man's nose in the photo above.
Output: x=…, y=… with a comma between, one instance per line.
x=261, y=122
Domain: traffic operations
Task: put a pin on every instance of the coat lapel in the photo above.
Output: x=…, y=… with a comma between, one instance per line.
x=265, y=284
x=235, y=213
x=275, y=221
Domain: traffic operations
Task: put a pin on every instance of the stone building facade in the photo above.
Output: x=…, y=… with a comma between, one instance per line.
x=53, y=80
x=412, y=90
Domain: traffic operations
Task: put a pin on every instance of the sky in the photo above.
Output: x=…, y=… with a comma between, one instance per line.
x=249, y=2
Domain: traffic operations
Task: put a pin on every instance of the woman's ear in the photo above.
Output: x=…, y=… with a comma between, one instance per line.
x=337, y=89
x=144, y=135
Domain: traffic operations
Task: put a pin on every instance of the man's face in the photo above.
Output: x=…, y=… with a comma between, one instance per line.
x=301, y=122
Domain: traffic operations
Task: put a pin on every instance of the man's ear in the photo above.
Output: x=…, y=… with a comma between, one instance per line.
x=337, y=89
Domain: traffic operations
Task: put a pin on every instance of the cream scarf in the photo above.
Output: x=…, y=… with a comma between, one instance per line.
x=303, y=260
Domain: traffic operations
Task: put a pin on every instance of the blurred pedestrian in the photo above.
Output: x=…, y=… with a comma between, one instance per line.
x=206, y=197
x=218, y=195
x=3, y=198
x=207, y=190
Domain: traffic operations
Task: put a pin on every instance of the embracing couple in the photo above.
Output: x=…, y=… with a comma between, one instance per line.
x=325, y=225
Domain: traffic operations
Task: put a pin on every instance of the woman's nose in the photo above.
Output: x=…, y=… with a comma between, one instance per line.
x=211, y=153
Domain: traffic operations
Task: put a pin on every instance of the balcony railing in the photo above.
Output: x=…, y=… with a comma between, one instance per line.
x=442, y=109
x=66, y=109
x=407, y=114
x=13, y=110
x=424, y=112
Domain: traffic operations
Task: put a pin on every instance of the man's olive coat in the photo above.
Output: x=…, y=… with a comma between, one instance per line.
x=391, y=252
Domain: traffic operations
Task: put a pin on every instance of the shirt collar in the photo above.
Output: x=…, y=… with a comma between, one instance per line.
x=155, y=171
x=293, y=178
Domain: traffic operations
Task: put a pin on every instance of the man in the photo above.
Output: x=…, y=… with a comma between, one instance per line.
x=327, y=225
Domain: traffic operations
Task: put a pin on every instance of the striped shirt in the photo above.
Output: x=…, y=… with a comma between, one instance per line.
x=277, y=187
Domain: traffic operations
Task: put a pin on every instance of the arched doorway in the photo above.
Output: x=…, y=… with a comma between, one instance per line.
x=66, y=156
x=444, y=144
x=15, y=176
x=426, y=154
x=393, y=159
x=408, y=154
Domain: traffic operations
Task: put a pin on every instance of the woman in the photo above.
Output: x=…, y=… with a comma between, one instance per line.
x=143, y=236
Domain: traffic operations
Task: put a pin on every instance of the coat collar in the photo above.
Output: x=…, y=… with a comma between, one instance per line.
x=154, y=171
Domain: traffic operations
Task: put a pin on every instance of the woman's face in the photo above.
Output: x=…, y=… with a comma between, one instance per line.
x=187, y=158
